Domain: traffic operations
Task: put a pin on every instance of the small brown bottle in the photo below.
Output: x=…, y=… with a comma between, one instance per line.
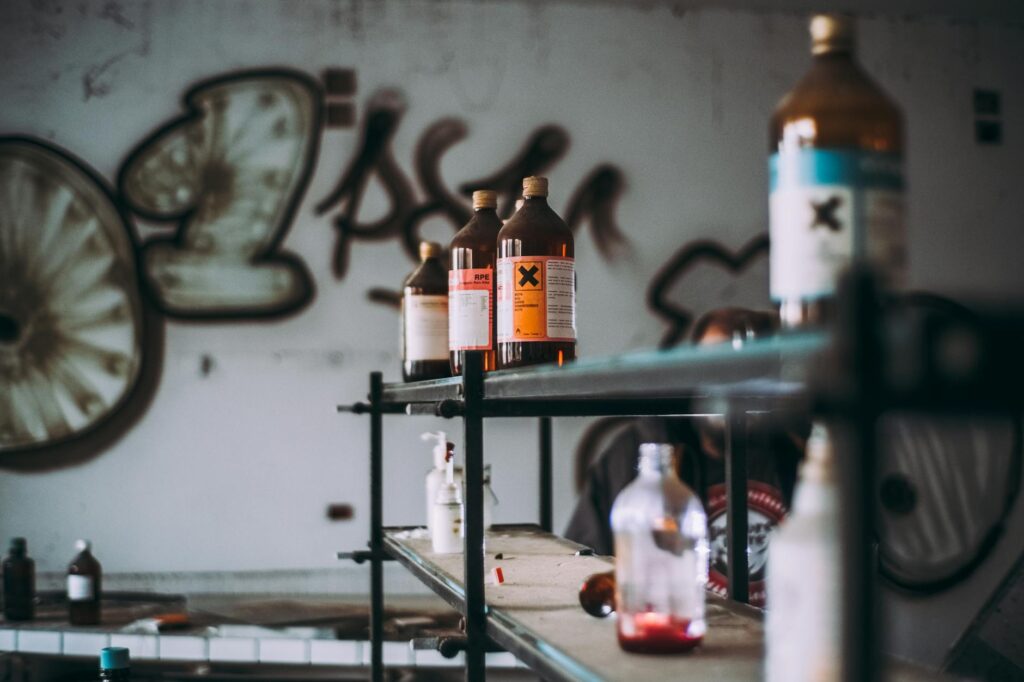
x=19, y=582
x=425, y=318
x=471, y=284
x=836, y=179
x=536, y=284
x=597, y=595
x=85, y=578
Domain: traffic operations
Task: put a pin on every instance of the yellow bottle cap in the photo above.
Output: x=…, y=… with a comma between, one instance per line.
x=535, y=186
x=484, y=198
x=832, y=33
x=429, y=250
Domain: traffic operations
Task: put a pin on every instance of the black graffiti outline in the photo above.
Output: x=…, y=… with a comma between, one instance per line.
x=690, y=255
x=597, y=197
x=88, y=442
x=271, y=252
x=545, y=146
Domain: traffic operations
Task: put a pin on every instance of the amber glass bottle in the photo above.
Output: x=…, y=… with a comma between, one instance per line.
x=425, y=318
x=471, y=284
x=19, y=582
x=836, y=179
x=85, y=577
x=536, y=284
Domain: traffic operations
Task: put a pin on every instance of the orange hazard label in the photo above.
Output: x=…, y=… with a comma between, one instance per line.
x=536, y=299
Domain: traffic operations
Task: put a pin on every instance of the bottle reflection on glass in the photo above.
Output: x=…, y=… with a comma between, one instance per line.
x=84, y=586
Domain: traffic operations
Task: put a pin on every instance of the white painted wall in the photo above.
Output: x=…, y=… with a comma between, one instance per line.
x=232, y=471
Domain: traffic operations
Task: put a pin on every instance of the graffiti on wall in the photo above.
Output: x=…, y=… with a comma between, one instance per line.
x=229, y=175
x=83, y=297
x=79, y=346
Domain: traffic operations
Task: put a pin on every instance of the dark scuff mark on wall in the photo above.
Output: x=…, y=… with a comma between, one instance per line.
x=114, y=12
x=93, y=84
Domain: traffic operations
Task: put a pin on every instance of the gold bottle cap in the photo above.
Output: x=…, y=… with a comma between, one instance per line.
x=832, y=33
x=429, y=250
x=535, y=186
x=485, y=198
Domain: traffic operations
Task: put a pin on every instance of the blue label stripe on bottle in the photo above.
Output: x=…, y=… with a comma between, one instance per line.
x=854, y=168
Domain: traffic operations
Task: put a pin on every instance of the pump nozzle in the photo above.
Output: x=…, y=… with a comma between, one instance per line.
x=440, y=451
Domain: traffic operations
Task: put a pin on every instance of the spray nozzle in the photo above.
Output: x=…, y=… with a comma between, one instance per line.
x=440, y=450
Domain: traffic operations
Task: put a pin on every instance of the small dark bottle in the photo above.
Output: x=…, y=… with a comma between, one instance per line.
x=425, y=318
x=84, y=586
x=19, y=582
x=471, y=284
x=115, y=663
x=536, y=284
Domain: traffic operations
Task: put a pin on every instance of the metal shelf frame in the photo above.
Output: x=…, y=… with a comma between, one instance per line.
x=850, y=376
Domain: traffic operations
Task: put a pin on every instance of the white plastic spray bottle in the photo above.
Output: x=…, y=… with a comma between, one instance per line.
x=804, y=610
x=446, y=526
x=436, y=476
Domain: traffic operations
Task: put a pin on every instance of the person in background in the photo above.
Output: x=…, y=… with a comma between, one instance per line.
x=773, y=455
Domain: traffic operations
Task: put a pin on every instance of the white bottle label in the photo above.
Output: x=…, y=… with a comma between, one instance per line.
x=470, y=309
x=829, y=208
x=446, y=537
x=80, y=588
x=425, y=324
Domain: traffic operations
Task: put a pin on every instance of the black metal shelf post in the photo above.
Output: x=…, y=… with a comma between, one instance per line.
x=546, y=513
x=473, y=520
x=736, y=501
x=376, y=530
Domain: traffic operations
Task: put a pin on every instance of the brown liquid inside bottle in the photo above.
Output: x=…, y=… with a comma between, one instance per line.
x=837, y=107
x=531, y=330
x=85, y=577
x=425, y=318
x=474, y=248
x=19, y=583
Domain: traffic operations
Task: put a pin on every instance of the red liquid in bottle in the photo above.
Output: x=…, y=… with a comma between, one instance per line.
x=657, y=633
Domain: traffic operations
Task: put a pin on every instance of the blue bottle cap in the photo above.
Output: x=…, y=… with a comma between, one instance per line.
x=114, y=658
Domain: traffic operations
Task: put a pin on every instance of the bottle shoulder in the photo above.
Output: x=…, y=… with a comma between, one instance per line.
x=480, y=233
x=431, y=277
x=837, y=104
x=537, y=228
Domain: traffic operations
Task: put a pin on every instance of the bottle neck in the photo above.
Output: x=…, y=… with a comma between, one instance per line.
x=657, y=460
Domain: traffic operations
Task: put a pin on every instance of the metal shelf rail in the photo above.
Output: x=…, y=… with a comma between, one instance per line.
x=863, y=367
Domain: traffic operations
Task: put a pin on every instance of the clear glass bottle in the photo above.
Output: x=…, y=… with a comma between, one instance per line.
x=472, y=284
x=661, y=558
x=802, y=629
x=536, y=284
x=19, y=582
x=115, y=664
x=425, y=318
x=836, y=179
x=85, y=578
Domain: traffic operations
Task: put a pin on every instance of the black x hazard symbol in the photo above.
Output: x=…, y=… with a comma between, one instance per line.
x=528, y=276
x=825, y=214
